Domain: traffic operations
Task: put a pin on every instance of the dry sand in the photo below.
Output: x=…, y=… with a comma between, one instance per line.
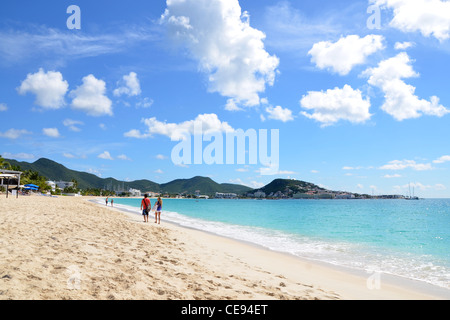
x=69, y=248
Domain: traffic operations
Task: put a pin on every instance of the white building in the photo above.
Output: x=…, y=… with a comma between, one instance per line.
x=134, y=192
x=259, y=194
x=64, y=184
x=220, y=195
x=345, y=196
x=60, y=184
x=52, y=184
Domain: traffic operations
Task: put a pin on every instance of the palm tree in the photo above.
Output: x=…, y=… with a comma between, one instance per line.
x=4, y=164
x=75, y=183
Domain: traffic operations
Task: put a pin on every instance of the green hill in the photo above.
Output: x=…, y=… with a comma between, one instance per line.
x=296, y=186
x=55, y=171
x=203, y=184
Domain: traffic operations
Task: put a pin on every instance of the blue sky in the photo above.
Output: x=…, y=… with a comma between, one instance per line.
x=357, y=89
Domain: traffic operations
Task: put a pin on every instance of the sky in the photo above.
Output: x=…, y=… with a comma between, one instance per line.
x=358, y=91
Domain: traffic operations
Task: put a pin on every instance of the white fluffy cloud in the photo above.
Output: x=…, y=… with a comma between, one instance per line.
x=105, y=155
x=131, y=86
x=232, y=106
x=207, y=123
x=392, y=176
x=279, y=113
x=90, y=97
x=3, y=107
x=346, y=53
x=232, y=53
x=49, y=88
x=442, y=159
x=144, y=103
x=400, y=100
x=20, y=155
x=430, y=17
x=123, y=157
x=336, y=104
x=51, y=132
x=404, y=164
x=14, y=133
x=403, y=45
x=394, y=68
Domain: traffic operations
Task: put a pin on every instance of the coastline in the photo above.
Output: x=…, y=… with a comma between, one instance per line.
x=320, y=273
x=419, y=288
x=117, y=256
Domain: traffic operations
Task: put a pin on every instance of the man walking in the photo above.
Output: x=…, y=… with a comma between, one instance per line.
x=145, y=207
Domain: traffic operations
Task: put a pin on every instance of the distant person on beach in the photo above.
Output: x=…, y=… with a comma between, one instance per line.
x=145, y=207
x=158, y=210
x=106, y=201
x=112, y=202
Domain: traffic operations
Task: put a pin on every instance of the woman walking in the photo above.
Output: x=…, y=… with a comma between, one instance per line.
x=158, y=210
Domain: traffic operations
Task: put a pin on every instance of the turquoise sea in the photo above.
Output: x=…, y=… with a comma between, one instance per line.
x=410, y=239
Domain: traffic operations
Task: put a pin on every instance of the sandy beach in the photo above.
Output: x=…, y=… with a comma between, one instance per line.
x=70, y=248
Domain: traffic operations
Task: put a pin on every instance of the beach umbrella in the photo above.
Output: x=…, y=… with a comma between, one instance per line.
x=31, y=187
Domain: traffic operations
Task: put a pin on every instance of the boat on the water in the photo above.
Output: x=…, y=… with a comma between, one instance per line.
x=411, y=197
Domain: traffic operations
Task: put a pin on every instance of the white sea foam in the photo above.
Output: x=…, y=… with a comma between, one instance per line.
x=355, y=256
x=360, y=257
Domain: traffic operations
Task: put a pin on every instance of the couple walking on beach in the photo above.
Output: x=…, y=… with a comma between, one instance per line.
x=146, y=208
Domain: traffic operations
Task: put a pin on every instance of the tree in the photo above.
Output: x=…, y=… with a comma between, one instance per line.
x=33, y=177
x=4, y=164
x=75, y=183
x=70, y=190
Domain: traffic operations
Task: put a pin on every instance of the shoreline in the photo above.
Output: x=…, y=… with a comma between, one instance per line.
x=70, y=248
x=393, y=282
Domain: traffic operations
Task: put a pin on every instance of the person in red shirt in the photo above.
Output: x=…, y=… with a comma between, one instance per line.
x=145, y=207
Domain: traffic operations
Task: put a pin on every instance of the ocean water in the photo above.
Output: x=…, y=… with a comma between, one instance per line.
x=410, y=239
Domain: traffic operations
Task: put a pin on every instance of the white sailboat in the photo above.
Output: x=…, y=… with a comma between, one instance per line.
x=411, y=197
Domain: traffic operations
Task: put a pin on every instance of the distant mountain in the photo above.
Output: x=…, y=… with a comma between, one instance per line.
x=282, y=185
x=55, y=171
x=202, y=184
